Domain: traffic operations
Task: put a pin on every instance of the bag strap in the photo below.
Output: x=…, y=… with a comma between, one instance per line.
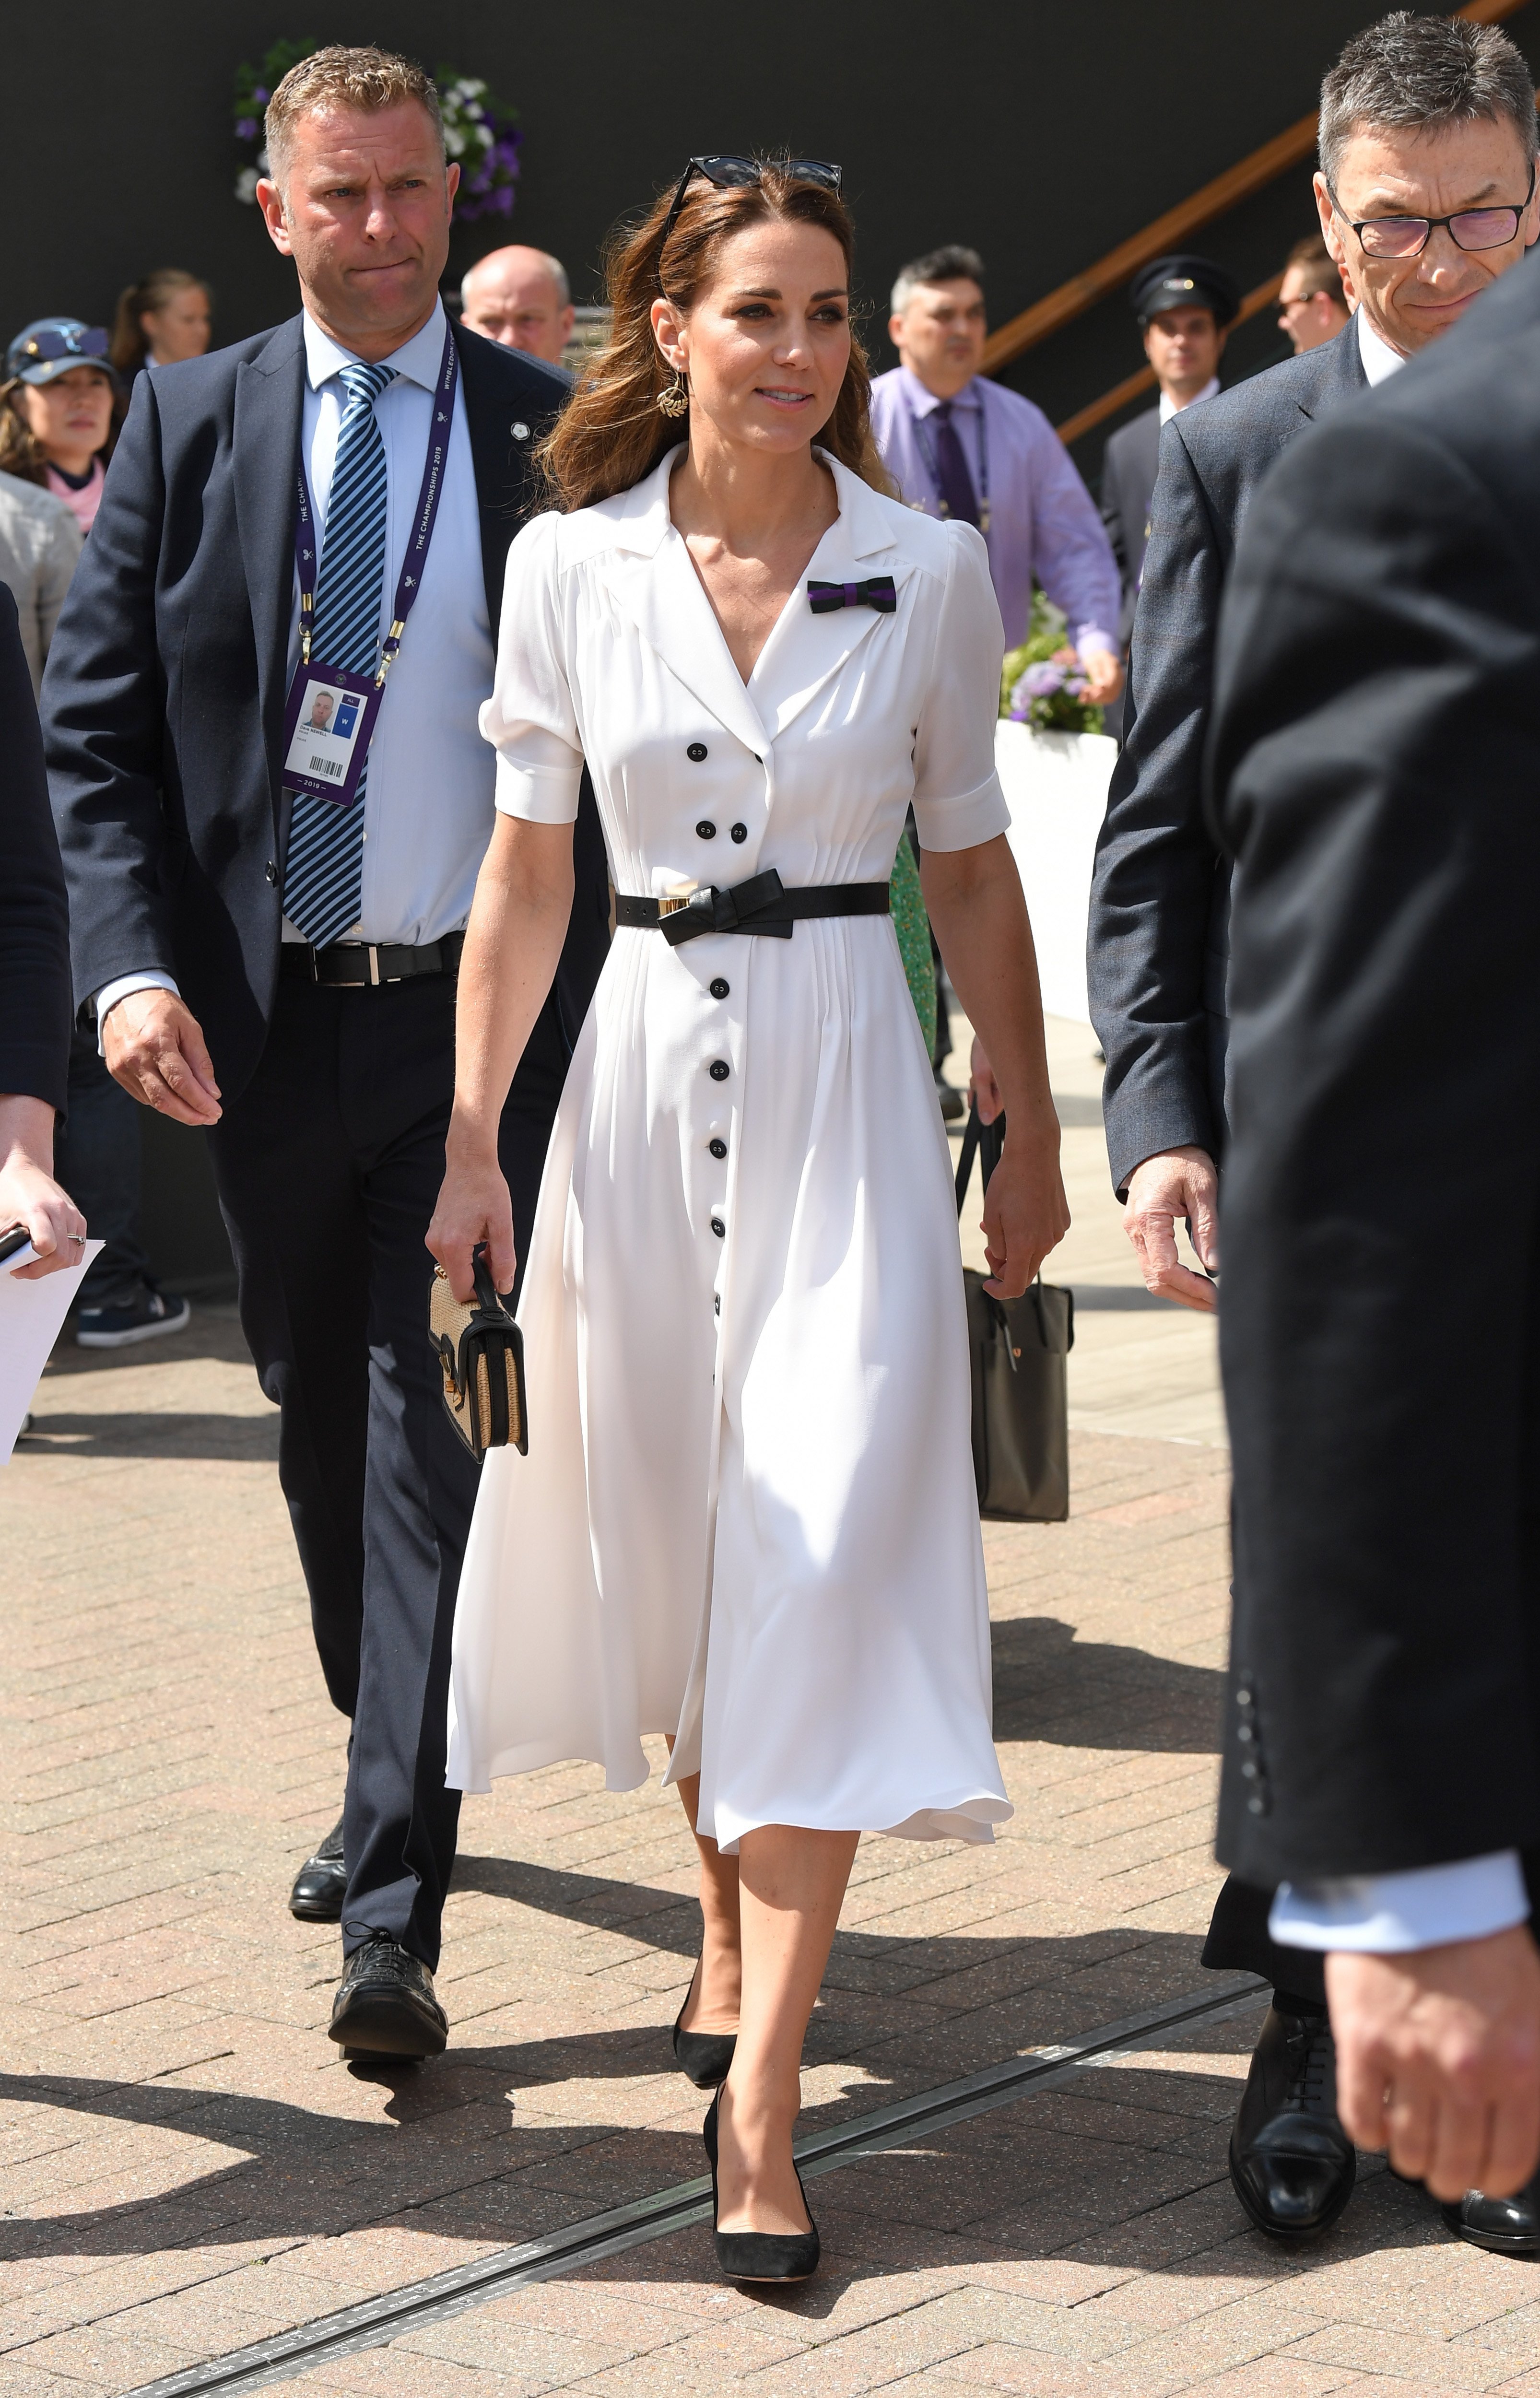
x=487, y=1297
x=985, y=1140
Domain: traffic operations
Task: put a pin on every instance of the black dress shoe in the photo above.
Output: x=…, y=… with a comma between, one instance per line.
x=705, y=2057
x=385, y=2005
x=321, y=1883
x=759, y=2256
x=1509, y=2226
x=1290, y=2161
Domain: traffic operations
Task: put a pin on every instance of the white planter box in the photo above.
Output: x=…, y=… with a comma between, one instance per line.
x=1056, y=789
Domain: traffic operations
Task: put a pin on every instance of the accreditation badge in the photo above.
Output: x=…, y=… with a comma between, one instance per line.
x=327, y=731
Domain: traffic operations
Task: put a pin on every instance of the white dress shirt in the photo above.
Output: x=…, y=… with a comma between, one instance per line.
x=1379, y=359
x=427, y=804
x=1169, y=409
x=1384, y=1914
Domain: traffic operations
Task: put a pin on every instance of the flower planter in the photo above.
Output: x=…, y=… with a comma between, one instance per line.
x=1056, y=789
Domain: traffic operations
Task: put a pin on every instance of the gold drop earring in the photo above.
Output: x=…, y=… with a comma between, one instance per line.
x=675, y=401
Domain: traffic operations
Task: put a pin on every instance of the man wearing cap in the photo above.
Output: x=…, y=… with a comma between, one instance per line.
x=958, y=445
x=1426, y=193
x=1183, y=305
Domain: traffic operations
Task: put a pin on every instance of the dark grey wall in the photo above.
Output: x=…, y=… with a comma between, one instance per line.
x=1040, y=134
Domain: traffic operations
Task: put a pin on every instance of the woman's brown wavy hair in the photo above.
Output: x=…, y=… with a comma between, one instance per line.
x=610, y=434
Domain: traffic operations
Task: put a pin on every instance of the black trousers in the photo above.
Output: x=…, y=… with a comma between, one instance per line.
x=1239, y=1941
x=328, y=1166
x=97, y=1159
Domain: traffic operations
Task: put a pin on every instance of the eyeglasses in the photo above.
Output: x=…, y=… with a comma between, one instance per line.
x=725, y=170
x=73, y=342
x=1407, y=237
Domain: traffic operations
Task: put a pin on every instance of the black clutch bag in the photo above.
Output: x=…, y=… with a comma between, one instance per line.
x=1017, y=1351
x=480, y=1354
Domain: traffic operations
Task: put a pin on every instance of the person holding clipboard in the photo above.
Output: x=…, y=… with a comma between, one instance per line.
x=269, y=891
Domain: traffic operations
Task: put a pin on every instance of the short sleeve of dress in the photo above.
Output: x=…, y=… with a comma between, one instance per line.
x=530, y=720
x=958, y=802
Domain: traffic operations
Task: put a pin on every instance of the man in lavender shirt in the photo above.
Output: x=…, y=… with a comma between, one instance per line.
x=957, y=445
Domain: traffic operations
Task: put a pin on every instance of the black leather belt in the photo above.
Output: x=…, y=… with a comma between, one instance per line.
x=760, y=905
x=359, y=965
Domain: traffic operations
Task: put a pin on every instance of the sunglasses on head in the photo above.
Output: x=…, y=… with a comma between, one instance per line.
x=725, y=170
x=89, y=342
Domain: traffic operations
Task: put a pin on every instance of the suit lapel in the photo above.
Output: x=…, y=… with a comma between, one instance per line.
x=1342, y=373
x=501, y=460
x=265, y=454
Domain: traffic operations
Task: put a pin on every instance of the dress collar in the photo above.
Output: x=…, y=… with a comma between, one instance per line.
x=418, y=360
x=859, y=530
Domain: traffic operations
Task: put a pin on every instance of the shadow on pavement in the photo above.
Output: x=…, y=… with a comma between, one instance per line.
x=155, y=1433
x=1050, y=1686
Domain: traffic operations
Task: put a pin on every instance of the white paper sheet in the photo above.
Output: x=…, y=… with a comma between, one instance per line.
x=30, y=1313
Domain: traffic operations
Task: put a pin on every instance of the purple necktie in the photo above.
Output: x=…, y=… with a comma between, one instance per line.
x=958, y=496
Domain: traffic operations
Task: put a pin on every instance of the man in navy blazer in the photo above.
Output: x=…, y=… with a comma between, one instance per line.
x=281, y=970
x=1427, y=192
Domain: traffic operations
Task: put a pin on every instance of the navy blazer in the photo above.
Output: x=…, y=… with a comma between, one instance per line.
x=35, y=917
x=164, y=696
x=1159, y=936
x=1375, y=773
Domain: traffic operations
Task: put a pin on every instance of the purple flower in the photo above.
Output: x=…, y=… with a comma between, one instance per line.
x=261, y=97
x=246, y=129
x=1042, y=680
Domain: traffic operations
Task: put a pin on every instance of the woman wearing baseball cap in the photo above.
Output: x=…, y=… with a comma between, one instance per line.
x=63, y=405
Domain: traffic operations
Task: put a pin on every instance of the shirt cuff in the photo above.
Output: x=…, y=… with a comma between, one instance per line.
x=1384, y=1915
x=1091, y=637
x=111, y=992
x=963, y=822
x=539, y=794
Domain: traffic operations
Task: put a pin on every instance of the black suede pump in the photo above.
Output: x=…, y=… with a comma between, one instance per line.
x=705, y=2057
x=759, y=2256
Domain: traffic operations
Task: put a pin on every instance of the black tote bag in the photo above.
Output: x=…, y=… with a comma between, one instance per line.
x=1018, y=1349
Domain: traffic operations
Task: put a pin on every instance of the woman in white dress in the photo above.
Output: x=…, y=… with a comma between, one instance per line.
x=746, y=1519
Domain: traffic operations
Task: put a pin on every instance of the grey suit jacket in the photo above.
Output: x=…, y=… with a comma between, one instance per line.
x=1158, y=939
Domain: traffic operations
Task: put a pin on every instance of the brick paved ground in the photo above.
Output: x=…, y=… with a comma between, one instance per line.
x=185, y=2167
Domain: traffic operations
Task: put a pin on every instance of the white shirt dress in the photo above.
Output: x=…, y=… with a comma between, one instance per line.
x=747, y=1512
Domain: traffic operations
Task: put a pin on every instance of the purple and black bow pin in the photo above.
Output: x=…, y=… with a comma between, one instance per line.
x=878, y=593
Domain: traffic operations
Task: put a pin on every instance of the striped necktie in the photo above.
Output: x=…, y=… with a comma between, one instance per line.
x=324, y=870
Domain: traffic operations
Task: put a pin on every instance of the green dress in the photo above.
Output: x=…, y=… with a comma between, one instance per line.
x=912, y=926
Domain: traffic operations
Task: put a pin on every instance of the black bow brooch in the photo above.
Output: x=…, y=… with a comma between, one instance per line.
x=879, y=594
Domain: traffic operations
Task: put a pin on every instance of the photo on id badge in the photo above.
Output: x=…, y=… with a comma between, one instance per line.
x=324, y=737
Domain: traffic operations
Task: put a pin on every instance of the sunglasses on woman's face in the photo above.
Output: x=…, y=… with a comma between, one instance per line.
x=725, y=170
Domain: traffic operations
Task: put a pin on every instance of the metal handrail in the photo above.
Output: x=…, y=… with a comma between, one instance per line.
x=1072, y=299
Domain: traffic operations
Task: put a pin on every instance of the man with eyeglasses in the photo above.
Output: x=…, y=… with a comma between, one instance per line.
x=1426, y=193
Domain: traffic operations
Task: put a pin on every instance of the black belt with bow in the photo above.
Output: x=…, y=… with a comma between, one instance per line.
x=760, y=905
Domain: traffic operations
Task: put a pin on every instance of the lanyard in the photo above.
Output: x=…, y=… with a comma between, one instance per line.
x=410, y=579
x=921, y=437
